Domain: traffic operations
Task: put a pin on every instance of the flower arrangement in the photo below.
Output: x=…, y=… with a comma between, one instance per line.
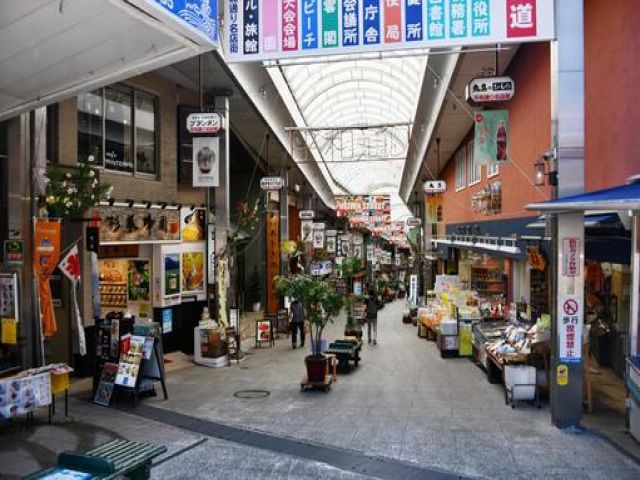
x=71, y=192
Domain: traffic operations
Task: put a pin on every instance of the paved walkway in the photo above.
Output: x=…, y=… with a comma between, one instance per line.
x=404, y=403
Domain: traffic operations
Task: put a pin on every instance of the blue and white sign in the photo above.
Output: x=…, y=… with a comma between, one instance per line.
x=303, y=28
x=200, y=16
x=167, y=320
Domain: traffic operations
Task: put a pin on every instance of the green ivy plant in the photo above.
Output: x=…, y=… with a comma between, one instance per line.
x=72, y=191
x=319, y=299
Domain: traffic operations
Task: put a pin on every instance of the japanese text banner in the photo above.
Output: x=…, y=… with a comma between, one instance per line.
x=259, y=30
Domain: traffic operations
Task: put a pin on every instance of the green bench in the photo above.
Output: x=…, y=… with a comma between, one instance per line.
x=114, y=459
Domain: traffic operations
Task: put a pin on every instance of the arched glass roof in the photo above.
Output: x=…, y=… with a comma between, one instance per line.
x=357, y=114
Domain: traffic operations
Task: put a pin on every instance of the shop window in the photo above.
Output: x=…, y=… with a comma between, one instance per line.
x=461, y=169
x=474, y=167
x=493, y=169
x=117, y=125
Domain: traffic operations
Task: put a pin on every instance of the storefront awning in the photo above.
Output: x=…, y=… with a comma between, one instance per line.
x=505, y=247
x=624, y=197
x=51, y=50
x=598, y=220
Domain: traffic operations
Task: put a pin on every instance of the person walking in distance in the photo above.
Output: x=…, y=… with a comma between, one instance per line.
x=297, y=323
x=372, y=317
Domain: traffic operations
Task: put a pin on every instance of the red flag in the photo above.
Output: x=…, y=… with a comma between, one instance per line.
x=70, y=264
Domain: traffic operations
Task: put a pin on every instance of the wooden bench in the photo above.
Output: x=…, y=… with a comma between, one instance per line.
x=114, y=459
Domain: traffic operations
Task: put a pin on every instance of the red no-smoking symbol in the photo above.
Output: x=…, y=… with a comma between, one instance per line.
x=570, y=307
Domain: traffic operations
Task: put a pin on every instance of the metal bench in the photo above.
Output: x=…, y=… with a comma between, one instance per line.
x=114, y=459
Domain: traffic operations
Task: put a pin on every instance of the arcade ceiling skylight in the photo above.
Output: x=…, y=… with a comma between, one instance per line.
x=355, y=117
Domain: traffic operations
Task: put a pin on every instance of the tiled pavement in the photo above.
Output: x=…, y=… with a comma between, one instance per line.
x=404, y=402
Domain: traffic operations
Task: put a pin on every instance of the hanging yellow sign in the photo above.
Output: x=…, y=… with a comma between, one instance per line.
x=9, y=331
x=562, y=375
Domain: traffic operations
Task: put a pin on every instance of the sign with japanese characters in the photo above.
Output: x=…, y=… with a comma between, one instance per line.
x=570, y=328
x=271, y=183
x=364, y=210
x=306, y=214
x=199, y=16
x=259, y=30
x=204, y=122
x=435, y=186
x=490, y=89
x=414, y=222
x=571, y=257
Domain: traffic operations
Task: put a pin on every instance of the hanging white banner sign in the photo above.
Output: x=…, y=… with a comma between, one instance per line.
x=490, y=89
x=414, y=222
x=435, y=186
x=306, y=215
x=204, y=122
x=259, y=30
x=206, y=162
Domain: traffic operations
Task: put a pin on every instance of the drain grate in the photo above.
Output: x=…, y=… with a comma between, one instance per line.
x=252, y=394
x=342, y=458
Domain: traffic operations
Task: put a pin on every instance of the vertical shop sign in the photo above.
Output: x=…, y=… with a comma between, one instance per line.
x=570, y=326
x=371, y=22
x=206, y=161
x=491, y=137
x=289, y=25
x=251, y=26
x=269, y=25
x=350, y=23
x=46, y=255
x=521, y=18
x=392, y=21
x=413, y=21
x=458, y=18
x=571, y=257
x=435, y=20
x=413, y=288
x=480, y=18
x=329, y=23
x=234, y=33
x=309, y=24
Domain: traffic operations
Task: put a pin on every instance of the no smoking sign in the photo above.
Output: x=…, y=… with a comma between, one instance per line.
x=570, y=307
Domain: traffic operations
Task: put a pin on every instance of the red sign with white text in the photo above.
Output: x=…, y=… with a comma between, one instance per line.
x=289, y=25
x=521, y=18
x=392, y=21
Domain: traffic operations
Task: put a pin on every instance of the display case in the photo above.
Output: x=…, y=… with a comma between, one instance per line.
x=482, y=333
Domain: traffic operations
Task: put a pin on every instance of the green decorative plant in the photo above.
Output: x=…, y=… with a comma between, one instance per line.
x=73, y=191
x=319, y=299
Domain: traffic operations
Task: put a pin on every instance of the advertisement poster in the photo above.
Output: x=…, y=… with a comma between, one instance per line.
x=318, y=239
x=106, y=384
x=19, y=396
x=8, y=295
x=139, y=225
x=192, y=224
x=306, y=227
x=171, y=274
x=263, y=331
x=167, y=320
x=192, y=272
x=129, y=365
x=139, y=277
x=206, y=161
x=331, y=244
x=491, y=141
x=45, y=258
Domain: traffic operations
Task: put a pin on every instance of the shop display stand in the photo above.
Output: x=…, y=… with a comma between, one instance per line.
x=269, y=341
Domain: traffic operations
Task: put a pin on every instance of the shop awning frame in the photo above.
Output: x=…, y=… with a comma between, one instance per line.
x=498, y=246
x=592, y=219
x=620, y=198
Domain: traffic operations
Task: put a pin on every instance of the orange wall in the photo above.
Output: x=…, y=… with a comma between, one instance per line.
x=612, y=92
x=530, y=136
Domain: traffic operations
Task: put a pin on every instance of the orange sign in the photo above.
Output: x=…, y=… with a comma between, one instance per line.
x=45, y=260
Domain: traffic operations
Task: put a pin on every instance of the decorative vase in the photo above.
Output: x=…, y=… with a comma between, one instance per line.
x=317, y=368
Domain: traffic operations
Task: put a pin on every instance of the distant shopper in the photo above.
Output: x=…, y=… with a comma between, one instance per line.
x=372, y=317
x=297, y=323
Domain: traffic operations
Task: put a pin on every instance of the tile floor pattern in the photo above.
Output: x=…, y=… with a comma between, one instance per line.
x=403, y=402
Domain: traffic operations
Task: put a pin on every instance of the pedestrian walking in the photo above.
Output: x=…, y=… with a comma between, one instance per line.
x=372, y=317
x=297, y=323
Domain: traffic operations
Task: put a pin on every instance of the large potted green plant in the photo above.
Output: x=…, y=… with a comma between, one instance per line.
x=322, y=304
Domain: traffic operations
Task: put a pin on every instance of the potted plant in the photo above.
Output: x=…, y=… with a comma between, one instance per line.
x=352, y=328
x=321, y=304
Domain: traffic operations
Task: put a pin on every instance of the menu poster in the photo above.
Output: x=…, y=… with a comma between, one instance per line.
x=8, y=295
x=139, y=225
x=129, y=365
x=19, y=396
x=106, y=384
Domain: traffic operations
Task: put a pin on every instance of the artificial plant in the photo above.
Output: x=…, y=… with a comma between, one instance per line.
x=71, y=192
x=319, y=299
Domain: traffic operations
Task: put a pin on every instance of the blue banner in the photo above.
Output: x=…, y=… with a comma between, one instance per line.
x=309, y=16
x=435, y=20
x=251, y=24
x=201, y=15
x=234, y=31
x=371, y=22
x=414, y=28
x=350, y=23
x=458, y=18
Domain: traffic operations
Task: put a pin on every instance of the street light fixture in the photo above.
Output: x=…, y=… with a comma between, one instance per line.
x=540, y=171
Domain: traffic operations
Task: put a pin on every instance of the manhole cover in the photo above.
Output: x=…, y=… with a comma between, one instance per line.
x=252, y=394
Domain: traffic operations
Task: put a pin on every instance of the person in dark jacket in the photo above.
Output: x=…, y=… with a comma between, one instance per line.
x=297, y=323
x=372, y=317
